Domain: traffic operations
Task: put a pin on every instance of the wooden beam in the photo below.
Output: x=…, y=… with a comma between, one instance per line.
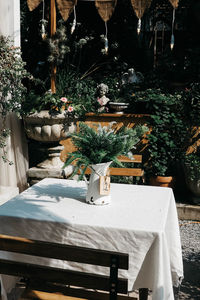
x=53, y=31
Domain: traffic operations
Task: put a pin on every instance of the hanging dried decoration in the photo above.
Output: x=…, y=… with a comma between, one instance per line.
x=32, y=4
x=155, y=45
x=43, y=23
x=139, y=26
x=105, y=9
x=172, y=36
x=139, y=7
x=74, y=22
x=175, y=5
x=106, y=39
x=65, y=7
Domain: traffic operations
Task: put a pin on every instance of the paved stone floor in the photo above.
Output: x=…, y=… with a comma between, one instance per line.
x=190, y=238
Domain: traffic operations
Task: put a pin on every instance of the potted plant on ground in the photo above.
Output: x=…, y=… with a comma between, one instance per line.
x=97, y=149
x=191, y=160
x=192, y=175
x=167, y=139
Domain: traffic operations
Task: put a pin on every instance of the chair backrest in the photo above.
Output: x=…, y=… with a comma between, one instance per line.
x=52, y=277
x=125, y=171
x=134, y=171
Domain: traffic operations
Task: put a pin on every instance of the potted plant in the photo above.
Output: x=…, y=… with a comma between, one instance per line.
x=191, y=160
x=49, y=117
x=167, y=139
x=12, y=89
x=97, y=148
x=192, y=175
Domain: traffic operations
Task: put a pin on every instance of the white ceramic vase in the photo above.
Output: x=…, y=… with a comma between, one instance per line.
x=93, y=193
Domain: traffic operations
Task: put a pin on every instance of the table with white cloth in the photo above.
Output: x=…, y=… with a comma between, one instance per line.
x=140, y=220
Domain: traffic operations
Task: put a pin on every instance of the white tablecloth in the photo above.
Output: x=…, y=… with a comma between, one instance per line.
x=141, y=221
x=7, y=192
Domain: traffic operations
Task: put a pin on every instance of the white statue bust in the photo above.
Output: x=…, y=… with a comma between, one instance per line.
x=102, y=90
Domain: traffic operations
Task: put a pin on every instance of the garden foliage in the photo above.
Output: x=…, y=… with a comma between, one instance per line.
x=101, y=144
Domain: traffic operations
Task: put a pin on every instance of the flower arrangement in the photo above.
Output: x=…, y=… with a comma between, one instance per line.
x=51, y=102
x=101, y=144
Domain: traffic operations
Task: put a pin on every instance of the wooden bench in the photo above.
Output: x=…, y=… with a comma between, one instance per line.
x=50, y=283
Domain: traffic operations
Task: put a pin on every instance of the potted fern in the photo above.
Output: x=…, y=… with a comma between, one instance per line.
x=97, y=148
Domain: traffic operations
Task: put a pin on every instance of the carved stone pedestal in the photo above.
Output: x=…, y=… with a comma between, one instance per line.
x=45, y=131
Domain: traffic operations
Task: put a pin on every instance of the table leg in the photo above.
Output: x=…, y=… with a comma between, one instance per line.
x=143, y=294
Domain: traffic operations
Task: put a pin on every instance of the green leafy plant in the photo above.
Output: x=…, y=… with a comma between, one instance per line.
x=12, y=89
x=102, y=144
x=48, y=101
x=168, y=139
x=58, y=47
x=192, y=162
x=149, y=99
x=72, y=91
x=80, y=91
x=191, y=98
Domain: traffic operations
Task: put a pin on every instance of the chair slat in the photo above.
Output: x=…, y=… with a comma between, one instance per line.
x=126, y=172
x=137, y=158
x=68, y=277
x=121, y=171
x=35, y=294
x=61, y=251
x=37, y=290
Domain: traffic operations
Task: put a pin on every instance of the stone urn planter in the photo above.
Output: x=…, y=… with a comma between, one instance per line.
x=48, y=130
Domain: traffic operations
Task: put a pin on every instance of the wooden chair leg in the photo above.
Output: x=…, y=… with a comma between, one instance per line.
x=143, y=294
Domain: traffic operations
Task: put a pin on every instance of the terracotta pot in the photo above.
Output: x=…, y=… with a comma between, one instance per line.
x=162, y=181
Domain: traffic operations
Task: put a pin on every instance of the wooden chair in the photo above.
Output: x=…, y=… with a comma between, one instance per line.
x=134, y=172
x=93, y=120
x=126, y=171
x=50, y=283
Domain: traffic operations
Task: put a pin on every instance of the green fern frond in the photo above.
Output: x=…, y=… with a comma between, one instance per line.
x=100, y=144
